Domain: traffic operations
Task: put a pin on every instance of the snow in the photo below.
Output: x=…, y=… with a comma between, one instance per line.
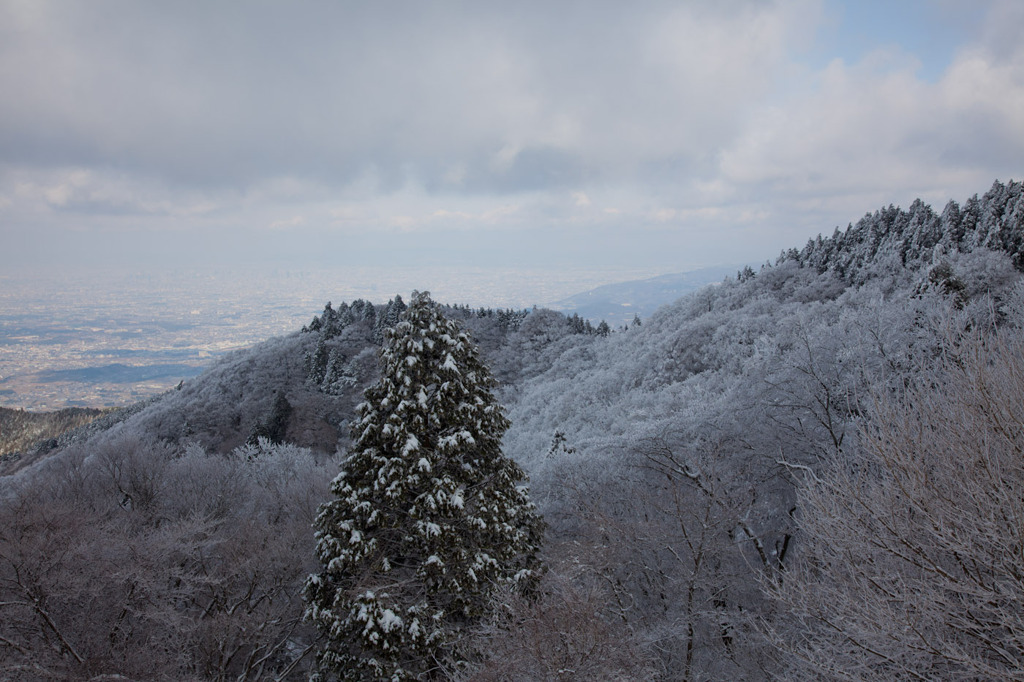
x=450, y=364
x=453, y=440
x=423, y=464
x=389, y=621
x=412, y=444
x=520, y=575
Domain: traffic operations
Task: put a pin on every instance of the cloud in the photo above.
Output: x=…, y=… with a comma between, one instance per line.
x=209, y=96
x=95, y=191
x=873, y=132
x=563, y=121
x=294, y=221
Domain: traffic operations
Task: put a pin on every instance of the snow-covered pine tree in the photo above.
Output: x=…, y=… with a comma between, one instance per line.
x=427, y=517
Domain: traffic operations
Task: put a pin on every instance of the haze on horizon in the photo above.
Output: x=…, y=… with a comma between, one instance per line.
x=665, y=136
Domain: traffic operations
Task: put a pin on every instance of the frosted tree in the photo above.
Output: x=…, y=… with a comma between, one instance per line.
x=428, y=517
x=911, y=564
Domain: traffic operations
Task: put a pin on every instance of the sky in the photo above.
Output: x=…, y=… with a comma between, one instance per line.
x=651, y=136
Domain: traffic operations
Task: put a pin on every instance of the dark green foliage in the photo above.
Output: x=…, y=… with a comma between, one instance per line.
x=943, y=277
x=325, y=363
x=275, y=426
x=428, y=517
x=316, y=364
x=387, y=318
x=579, y=325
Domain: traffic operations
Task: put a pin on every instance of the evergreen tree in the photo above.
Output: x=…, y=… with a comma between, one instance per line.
x=316, y=362
x=427, y=517
x=334, y=376
x=275, y=426
x=387, y=317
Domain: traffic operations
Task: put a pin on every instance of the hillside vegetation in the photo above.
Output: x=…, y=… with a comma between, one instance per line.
x=807, y=471
x=20, y=429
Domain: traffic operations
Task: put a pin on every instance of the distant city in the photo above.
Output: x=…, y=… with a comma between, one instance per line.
x=81, y=340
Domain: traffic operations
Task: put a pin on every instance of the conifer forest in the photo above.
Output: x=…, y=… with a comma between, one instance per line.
x=812, y=470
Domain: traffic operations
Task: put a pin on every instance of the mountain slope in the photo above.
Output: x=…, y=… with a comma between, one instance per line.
x=666, y=460
x=20, y=429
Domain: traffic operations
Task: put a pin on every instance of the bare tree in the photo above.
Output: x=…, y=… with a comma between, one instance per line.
x=133, y=559
x=564, y=631
x=912, y=549
x=674, y=537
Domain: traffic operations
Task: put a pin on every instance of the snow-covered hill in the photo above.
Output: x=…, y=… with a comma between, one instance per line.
x=664, y=457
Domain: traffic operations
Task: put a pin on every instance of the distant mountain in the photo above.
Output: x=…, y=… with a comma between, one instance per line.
x=618, y=303
x=120, y=374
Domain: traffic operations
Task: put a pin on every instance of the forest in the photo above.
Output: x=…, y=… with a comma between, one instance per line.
x=21, y=429
x=811, y=470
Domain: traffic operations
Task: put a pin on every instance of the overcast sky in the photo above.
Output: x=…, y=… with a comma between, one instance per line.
x=660, y=135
